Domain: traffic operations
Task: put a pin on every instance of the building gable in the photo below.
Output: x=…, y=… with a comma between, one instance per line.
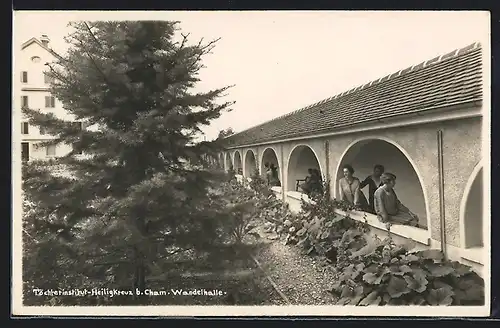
x=35, y=41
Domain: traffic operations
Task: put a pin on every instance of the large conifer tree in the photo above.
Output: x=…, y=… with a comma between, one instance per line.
x=134, y=187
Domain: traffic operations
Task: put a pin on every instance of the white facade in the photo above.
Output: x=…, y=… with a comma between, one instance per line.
x=31, y=85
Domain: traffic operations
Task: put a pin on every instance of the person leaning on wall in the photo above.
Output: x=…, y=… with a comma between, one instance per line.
x=274, y=179
x=349, y=189
x=388, y=207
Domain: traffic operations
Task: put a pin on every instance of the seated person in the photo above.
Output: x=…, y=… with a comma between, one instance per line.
x=316, y=182
x=387, y=205
x=306, y=186
x=373, y=182
x=349, y=189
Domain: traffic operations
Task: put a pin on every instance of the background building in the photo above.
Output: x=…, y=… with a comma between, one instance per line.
x=31, y=88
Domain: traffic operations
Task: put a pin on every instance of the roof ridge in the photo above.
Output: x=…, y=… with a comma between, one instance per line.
x=426, y=63
x=457, y=52
x=37, y=41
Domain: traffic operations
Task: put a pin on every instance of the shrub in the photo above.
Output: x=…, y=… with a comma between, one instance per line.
x=259, y=184
x=319, y=230
x=240, y=210
x=382, y=273
x=248, y=202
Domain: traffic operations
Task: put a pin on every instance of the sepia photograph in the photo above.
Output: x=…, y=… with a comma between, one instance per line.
x=251, y=163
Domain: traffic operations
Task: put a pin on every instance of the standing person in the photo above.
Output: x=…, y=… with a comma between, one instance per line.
x=387, y=205
x=349, y=189
x=373, y=182
x=275, y=180
x=267, y=170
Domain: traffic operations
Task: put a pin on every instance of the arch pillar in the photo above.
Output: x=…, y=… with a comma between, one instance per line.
x=284, y=176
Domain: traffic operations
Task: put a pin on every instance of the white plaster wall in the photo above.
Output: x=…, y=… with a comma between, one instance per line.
x=38, y=152
x=36, y=99
x=462, y=151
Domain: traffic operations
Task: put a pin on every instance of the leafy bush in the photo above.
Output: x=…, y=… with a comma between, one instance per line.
x=248, y=202
x=382, y=273
x=240, y=211
x=259, y=184
x=319, y=230
x=231, y=174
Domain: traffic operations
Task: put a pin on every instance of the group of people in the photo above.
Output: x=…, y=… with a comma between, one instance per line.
x=272, y=176
x=382, y=199
x=312, y=183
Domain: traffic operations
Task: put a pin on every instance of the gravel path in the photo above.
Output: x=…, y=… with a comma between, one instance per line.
x=303, y=279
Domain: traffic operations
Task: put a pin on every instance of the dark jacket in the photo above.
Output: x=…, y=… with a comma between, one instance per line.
x=372, y=186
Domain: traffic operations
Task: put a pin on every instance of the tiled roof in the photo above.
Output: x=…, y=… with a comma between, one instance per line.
x=443, y=81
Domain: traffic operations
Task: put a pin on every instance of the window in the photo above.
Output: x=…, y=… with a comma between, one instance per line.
x=75, y=149
x=47, y=79
x=42, y=131
x=24, y=128
x=25, y=151
x=35, y=59
x=24, y=101
x=51, y=150
x=78, y=125
x=24, y=77
x=50, y=102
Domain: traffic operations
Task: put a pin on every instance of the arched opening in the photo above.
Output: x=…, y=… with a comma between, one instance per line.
x=228, y=164
x=269, y=157
x=363, y=155
x=472, y=214
x=238, y=167
x=302, y=158
x=250, y=164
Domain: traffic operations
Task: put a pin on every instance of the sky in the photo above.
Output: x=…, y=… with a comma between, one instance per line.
x=280, y=61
